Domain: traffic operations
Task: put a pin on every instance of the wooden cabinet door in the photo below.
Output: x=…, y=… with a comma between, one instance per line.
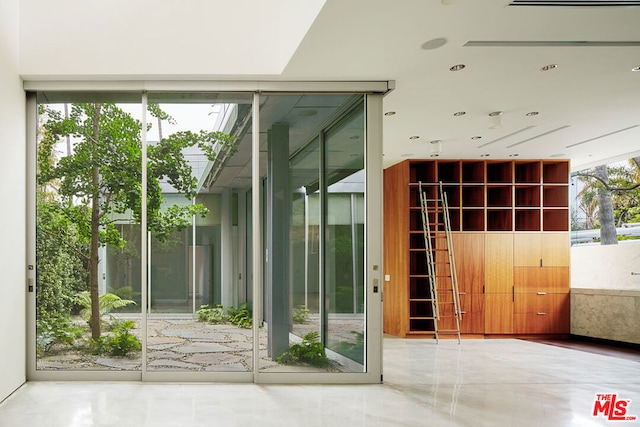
x=498, y=263
x=541, y=279
x=556, y=248
x=468, y=251
x=498, y=313
x=541, y=249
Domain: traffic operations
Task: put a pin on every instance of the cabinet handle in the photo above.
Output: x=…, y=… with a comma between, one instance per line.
x=513, y=293
x=542, y=314
x=541, y=293
x=540, y=262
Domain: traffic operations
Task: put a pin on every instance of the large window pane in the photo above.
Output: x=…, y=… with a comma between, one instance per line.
x=88, y=234
x=199, y=317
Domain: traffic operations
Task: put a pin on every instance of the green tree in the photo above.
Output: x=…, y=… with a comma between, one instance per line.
x=615, y=190
x=102, y=176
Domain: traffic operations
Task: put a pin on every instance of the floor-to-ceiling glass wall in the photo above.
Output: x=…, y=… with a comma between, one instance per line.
x=315, y=311
x=198, y=316
x=87, y=232
x=145, y=222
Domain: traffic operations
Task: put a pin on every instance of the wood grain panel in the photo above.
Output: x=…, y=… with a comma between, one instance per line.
x=468, y=249
x=556, y=248
x=527, y=249
x=396, y=249
x=498, y=263
x=472, y=307
x=498, y=313
x=541, y=279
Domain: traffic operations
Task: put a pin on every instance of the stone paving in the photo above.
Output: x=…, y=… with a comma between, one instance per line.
x=184, y=344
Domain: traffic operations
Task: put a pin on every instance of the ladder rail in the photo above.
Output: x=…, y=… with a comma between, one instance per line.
x=451, y=260
x=431, y=271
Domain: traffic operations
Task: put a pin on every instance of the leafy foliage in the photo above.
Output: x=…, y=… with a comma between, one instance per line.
x=353, y=349
x=102, y=175
x=211, y=314
x=301, y=314
x=121, y=342
x=55, y=330
x=241, y=316
x=60, y=263
x=308, y=352
x=106, y=303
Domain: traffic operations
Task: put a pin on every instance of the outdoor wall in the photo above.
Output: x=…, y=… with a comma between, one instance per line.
x=605, y=292
x=12, y=215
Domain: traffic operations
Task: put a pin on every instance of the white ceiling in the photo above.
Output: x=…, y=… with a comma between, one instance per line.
x=589, y=106
x=592, y=91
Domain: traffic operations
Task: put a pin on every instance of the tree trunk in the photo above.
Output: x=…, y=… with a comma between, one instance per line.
x=608, y=234
x=95, y=228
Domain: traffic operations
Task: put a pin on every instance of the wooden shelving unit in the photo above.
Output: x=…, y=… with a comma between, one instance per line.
x=499, y=197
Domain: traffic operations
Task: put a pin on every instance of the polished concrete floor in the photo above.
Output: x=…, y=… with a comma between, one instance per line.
x=501, y=382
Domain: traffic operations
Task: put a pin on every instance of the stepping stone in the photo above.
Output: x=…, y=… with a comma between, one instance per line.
x=163, y=346
x=164, y=363
x=215, y=359
x=236, y=367
x=203, y=347
x=163, y=355
x=124, y=364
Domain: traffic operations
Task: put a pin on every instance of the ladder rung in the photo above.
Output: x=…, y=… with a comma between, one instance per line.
x=450, y=331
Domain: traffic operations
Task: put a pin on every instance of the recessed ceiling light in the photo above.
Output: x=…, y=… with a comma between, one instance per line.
x=435, y=141
x=457, y=67
x=514, y=155
x=434, y=43
x=354, y=137
x=532, y=113
x=435, y=155
x=485, y=155
x=460, y=113
x=390, y=113
x=559, y=155
x=414, y=137
x=476, y=137
x=636, y=68
x=406, y=155
x=549, y=67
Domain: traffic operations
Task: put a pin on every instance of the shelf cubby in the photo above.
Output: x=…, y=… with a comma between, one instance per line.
x=418, y=288
x=473, y=220
x=473, y=172
x=499, y=172
x=527, y=220
x=527, y=172
x=422, y=171
x=449, y=171
x=555, y=196
x=499, y=196
x=499, y=220
x=420, y=325
x=420, y=309
x=453, y=195
x=473, y=196
x=555, y=219
x=527, y=196
x=555, y=172
x=417, y=263
x=416, y=241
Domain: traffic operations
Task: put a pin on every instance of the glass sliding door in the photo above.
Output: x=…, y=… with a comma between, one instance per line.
x=315, y=233
x=88, y=232
x=199, y=318
x=197, y=236
x=344, y=221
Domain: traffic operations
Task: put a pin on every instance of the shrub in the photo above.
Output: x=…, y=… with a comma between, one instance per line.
x=211, y=314
x=301, y=314
x=55, y=330
x=122, y=341
x=241, y=316
x=106, y=303
x=309, y=352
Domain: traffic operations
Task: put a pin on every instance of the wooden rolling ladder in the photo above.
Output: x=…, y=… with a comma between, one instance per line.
x=441, y=271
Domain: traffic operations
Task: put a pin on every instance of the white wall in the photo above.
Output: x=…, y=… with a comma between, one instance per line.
x=606, y=267
x=158, y=38
x=605, y=295
x=12, y=214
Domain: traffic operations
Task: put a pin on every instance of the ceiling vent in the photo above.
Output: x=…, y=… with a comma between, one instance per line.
x=578, y=3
